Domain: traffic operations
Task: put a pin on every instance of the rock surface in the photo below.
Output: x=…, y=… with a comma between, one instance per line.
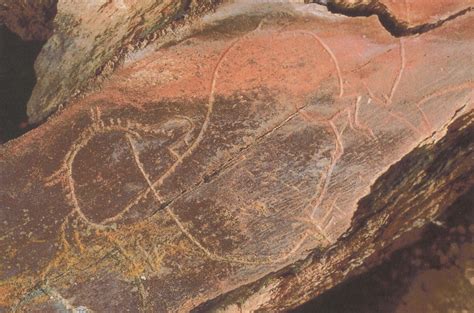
x=215, y=161
x=89, y=38
x=387, y=219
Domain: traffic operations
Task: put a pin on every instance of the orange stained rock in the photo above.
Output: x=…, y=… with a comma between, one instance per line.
x=416, y=12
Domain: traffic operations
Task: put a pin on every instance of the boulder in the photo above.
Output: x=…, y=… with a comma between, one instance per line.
x=267, y=155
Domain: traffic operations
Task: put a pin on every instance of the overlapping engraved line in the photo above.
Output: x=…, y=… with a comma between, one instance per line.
x=313, y=203
x=98, y=125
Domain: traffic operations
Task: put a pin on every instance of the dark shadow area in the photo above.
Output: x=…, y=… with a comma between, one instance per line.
x=378, y=290
x=383, y=289
x=17, y=79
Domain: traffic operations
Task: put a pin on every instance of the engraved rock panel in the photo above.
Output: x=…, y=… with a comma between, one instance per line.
x=208, y=164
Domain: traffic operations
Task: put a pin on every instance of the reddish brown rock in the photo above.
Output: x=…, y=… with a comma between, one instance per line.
x=213, y=162
x=416, y=12
x=405, y=17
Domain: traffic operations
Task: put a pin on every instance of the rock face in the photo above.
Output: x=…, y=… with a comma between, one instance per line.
x=233, y=153
x=418, y=12
x=88, y=39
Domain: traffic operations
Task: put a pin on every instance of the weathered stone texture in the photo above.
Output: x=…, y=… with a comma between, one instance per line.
x=87, y=39
x=212, y=162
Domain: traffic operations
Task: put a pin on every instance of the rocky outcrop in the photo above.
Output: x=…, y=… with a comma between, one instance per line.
x=219, y=173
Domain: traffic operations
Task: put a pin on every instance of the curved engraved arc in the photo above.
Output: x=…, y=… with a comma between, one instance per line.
x=194, y=240
x=65, y=173
x=200, y=136
x=99, y=126
x=329, y=52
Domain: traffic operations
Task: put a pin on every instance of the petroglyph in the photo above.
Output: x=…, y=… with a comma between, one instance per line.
x=243, y=162
x=133, y=132
x=64, y=176
x=439, y=93
x=394, y=88
x=237, y=259
x=400, y=72
x=354, y=121
x=383, y=104
x=195, y=144
x=175, y=218
x=194, y=240
x=351, y=115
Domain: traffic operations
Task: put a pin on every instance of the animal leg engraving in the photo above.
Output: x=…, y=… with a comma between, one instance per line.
x=325, y=221
x=426, y=121
x=315, y=203
x=396, y=83
x=311, y=225
x=339, y=150
x=64, y=246
x=331, y=55
x=356, y=124
x=77, y=238
x=143, y=295
x=148, y=258
x=400, y=72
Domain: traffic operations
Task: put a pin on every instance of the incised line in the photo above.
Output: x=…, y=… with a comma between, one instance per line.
x=400, y=72
x=331, y=55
